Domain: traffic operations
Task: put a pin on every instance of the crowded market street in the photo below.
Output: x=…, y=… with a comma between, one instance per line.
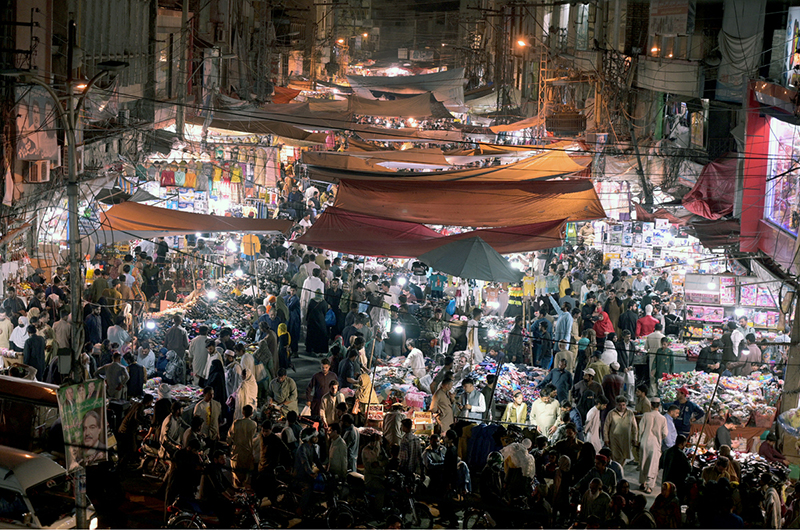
x=367, y=265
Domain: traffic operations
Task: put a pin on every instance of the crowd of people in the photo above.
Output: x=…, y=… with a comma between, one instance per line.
x=564, y=453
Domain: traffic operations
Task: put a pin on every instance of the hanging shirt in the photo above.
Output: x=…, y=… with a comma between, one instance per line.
x=167, y=178
x=191, y=179
x=236, y=173
x=251, y=245
x=529, y=286
x=438, y=281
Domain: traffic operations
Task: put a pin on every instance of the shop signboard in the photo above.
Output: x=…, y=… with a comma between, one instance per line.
x=707, y=314
x=671, y=17
x=82, y=409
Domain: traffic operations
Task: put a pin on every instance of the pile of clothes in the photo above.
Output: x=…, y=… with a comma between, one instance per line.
x=741, y=396
x=513, y=377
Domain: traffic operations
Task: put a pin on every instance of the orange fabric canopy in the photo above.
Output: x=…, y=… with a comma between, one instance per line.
x=552, y=163
x=361, y=234
x=470, y=203
x=128, y=220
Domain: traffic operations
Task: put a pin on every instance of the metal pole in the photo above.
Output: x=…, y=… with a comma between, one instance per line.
x=705, y=418
x=75, y=276
x=180, y=119
x=371, y=380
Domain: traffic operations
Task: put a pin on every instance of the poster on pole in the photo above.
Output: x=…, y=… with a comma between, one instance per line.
x=82, y=408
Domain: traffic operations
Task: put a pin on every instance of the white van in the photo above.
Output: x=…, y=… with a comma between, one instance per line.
x=36, y=493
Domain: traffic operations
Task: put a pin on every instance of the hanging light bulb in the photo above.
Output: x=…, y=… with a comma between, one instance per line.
x=212, y=294
x=150, y=325
x=398, y=329
x=740, y=312
x=231, y=245
x=239, y=273
x=712, y=285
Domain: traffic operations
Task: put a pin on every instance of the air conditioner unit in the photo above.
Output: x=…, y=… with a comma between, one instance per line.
x=219, y=33
x=39, y=171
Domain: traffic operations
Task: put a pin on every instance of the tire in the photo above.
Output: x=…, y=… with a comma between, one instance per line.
x=154, y=468
x=284, y=499
x=476, y=519
x=339, y=518
x=185, y=521
x=424, y=519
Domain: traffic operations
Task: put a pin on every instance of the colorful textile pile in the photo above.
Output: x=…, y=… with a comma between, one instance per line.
x=737, y=395
x=512, y=378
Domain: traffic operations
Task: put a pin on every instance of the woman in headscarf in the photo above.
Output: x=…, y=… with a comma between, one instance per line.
x=284, y=344
x=175, y=372
x=666, y=508
x=317, y=338
x=19, y=335
x=295, y=321
x=248, y=390
x=216, y=380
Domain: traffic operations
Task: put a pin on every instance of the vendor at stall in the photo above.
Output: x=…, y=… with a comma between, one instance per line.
x=415, y=360
x=199, y=291
x=710, y=357
x=688, y=412
x=768, y=451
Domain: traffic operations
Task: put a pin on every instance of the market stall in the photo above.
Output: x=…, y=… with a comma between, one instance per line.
x=752, y=399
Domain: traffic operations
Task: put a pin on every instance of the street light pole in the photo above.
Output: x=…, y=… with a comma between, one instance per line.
x=67, y=116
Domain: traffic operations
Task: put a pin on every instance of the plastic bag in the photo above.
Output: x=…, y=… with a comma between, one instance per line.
x=330, y=318
x=306, y=411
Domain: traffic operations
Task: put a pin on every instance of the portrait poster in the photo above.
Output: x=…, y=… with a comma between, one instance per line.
x=37, y=122
x=82, y=408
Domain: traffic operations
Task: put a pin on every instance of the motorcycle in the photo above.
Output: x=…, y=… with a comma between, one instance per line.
x=190, y=514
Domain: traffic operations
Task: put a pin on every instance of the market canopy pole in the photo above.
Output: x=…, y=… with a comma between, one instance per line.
x=789, y=395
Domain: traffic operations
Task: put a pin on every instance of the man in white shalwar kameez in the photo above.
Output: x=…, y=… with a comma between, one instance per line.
x=652, y=431
x=248, y=389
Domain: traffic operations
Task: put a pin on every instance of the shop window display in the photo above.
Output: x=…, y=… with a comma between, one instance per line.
x=783, y=184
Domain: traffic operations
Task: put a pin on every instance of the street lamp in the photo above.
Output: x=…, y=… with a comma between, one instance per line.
x=67, y=115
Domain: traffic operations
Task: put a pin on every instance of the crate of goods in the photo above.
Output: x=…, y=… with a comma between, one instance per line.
x=423, y=422
x=375, y=412
x=764, y=417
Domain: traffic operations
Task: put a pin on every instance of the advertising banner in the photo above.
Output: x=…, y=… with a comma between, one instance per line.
x=82, y=408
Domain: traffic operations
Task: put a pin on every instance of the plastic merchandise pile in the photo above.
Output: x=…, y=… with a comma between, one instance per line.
x=396, y=384
x=790, y=421
x=512, y=378
x=737, y=395
x=679, y=349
